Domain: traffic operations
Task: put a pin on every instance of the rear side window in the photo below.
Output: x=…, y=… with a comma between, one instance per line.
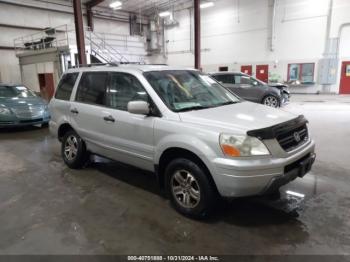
x=92, y=88
x=65, y=87
x=225, y=79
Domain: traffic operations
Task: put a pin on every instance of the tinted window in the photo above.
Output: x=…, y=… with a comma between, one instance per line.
x=124, y=88
x=92, y=88
x=225, y=79
x=65, y=86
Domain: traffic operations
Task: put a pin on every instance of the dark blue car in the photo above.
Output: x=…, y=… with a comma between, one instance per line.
x=20, y=106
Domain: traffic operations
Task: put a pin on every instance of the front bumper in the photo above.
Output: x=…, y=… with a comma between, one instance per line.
x=239, y=178
x=24, y=122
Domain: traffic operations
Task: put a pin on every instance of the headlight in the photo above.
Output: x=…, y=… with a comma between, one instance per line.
x=238, y=145
x=5, y=111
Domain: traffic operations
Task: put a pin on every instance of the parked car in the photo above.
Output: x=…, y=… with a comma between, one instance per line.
x=201, y=140
x=20, y=106
x=250, y=88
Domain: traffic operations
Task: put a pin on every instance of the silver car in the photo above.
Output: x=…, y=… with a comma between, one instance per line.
x=201, y=140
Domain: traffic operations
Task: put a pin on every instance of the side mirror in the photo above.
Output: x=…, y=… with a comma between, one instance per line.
x=138, y=107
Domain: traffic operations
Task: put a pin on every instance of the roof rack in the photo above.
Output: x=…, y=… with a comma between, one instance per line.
x=117, y=64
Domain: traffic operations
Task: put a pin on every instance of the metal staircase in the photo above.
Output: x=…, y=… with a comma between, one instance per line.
x=103, y=51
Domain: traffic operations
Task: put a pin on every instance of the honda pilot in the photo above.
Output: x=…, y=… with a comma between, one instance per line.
x=202, y=141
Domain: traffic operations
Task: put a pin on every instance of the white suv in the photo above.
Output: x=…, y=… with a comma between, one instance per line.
x=201, y=140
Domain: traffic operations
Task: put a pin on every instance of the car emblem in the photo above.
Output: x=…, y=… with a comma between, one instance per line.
x=297, y=137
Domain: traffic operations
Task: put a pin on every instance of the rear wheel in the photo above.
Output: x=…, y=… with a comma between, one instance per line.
x=271, y=100
x=73, y=150
x=189, y=188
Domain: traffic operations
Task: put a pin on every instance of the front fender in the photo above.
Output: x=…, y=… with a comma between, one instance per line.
x=187, y=142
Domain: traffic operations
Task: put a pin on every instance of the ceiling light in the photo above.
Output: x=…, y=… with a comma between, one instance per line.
x=164, y=14
x=116, y=5
x=206, y=4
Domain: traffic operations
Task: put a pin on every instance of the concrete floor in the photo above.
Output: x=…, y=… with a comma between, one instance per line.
x=108, y=208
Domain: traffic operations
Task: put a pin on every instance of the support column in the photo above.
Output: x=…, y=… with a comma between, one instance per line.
x=197, y=35
x=90, y=16
x=79, y=31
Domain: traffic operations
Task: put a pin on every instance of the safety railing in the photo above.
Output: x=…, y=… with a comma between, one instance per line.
x=48, y=38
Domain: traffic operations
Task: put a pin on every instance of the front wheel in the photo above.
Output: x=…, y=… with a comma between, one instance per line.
x=191, y=192
x=271, y=101
x=73, y=150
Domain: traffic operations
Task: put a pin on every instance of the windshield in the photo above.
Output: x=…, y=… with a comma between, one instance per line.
x=15, y=91
x=184, y=90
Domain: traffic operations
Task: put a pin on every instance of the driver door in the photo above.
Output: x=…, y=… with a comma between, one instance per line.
x=129, y=137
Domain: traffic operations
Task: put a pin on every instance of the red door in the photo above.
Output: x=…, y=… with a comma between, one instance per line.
x=262, y=73
x=46, y=84
x=345, y=78
x=248, y=69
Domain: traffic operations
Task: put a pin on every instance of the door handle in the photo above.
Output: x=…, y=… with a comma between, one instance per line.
x=74, y=111
x=109, y=119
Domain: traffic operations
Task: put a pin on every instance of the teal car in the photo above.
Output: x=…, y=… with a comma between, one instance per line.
x=20, y=106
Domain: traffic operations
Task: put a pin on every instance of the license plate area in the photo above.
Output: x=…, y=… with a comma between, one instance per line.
x=301, y=166
x=305, y=165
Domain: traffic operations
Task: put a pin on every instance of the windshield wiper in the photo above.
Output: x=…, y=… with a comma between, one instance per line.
x=226, y=103
x=229, y=103
x=192, y=108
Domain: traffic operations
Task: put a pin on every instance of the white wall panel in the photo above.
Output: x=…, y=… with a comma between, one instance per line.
x=236, y=32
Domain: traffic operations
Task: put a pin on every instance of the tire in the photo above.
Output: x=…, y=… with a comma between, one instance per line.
x=272, y=101
x=73, y=150
x=189, y=188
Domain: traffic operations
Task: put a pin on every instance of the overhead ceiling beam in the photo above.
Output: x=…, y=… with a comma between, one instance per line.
x=90, y=15
x=93, y=3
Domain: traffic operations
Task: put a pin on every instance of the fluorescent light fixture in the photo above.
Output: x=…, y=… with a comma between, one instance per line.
x=116, y=5
x=164, y=14
x=292, y=193
x=206, y=5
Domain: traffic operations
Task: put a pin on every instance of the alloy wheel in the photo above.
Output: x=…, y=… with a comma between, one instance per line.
x=271, y=101
x=185, y=189
x=71, y=148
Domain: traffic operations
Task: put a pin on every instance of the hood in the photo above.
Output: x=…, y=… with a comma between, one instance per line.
x=237, y=118
x=21, y=102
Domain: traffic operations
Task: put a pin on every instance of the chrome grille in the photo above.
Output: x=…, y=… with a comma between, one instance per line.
x=293, y=138
x=29, y=112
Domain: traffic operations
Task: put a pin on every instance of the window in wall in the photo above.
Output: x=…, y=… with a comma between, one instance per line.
x=223, y=68
x=92, y=88
x=65, y=86
x=123, y=89
x=301, y=72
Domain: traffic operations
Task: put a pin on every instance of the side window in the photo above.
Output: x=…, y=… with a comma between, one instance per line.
x=225, y=79
x=243, y=80
x=92, y=88
x=124, y=88
x=65, y=87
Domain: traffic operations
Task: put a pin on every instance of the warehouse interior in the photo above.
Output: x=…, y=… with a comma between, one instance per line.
x=110, y=208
